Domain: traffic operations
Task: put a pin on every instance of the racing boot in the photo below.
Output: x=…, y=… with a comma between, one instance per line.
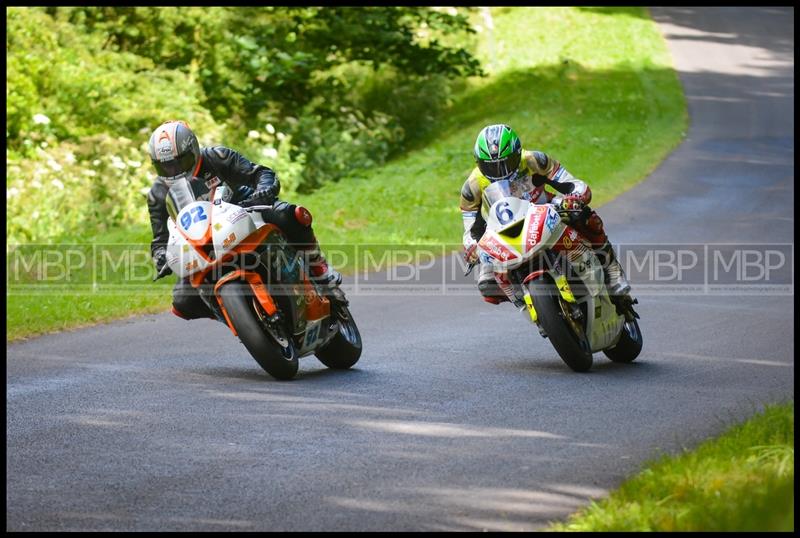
x=615, y=278
x=488, y=286
x=320, y=272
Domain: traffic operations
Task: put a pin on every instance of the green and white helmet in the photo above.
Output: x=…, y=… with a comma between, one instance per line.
x=498, y=151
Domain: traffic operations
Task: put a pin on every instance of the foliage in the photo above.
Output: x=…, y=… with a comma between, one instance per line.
x=84, y=89
x=610, y=116
x=76, y=190
x=87, y=80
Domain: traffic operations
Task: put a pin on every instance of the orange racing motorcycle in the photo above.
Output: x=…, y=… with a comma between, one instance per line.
x=256, y=283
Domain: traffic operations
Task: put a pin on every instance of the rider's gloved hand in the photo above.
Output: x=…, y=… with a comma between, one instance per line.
x=569, y=202
x=262, y=196
x=160, y=259
x=471, y=251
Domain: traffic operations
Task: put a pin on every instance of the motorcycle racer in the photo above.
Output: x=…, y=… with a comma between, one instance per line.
x=499, y=155
x=175, y=152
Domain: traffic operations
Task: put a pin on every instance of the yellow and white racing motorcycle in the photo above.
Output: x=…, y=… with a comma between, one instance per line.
x=551, y=273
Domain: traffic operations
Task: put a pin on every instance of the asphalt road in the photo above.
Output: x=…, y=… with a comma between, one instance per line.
x=458, y=416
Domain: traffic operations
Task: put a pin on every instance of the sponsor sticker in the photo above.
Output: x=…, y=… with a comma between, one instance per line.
x=312, y=335
x=552, y=220
x=230, y=239
x=237, y=216
x=496, y=249
x=535, y=227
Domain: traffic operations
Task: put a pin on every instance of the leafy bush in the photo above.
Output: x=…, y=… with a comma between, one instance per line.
x=76, y=190
x=344, y=87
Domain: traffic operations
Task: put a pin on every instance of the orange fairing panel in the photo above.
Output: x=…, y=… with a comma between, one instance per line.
x=248, y=244
x=259, y=289
x=198, y=244
x=252, y=241
x=317, y=307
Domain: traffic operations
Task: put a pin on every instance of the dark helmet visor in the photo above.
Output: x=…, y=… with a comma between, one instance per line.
x=175, y=167
x=500, y=168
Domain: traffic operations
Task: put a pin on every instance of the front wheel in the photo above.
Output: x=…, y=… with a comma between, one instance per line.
x=344, y=350
x=565, y=333
x=274, y=353
x=629, y=345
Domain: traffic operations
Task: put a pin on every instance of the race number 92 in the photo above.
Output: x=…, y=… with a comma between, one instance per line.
x=196, y=214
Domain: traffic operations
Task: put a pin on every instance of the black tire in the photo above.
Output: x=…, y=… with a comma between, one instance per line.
x=546, y=301
x=238, y=300
x=629, y=345
x=344, y=350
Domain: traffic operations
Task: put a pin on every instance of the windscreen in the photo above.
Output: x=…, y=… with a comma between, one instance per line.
x=179, y=196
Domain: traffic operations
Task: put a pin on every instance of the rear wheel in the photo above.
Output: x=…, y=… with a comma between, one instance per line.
x=564, y=331
x=629, y=345
x=344, y=350
x=271, y=346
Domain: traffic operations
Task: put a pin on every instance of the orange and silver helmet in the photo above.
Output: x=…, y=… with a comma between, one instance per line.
x=174, y=150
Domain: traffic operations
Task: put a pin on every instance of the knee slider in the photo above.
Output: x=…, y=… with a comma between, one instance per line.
x=179, y=313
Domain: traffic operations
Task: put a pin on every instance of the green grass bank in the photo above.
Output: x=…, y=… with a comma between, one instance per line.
x=740, y=481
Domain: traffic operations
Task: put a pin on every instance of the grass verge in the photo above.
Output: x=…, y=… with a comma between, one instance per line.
x=740, y=481
x=605, y=102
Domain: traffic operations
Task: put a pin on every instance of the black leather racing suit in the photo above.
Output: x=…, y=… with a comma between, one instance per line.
x=243, y=177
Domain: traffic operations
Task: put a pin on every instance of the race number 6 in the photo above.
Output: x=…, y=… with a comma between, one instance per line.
x=503, y=213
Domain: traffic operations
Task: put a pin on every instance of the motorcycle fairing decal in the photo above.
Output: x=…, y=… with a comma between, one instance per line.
x=535, y=225
x=568, y=239
x=552, y=220
x=495, y=248
x=313, y=333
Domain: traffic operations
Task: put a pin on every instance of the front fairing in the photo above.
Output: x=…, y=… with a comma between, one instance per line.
x=516, y=229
